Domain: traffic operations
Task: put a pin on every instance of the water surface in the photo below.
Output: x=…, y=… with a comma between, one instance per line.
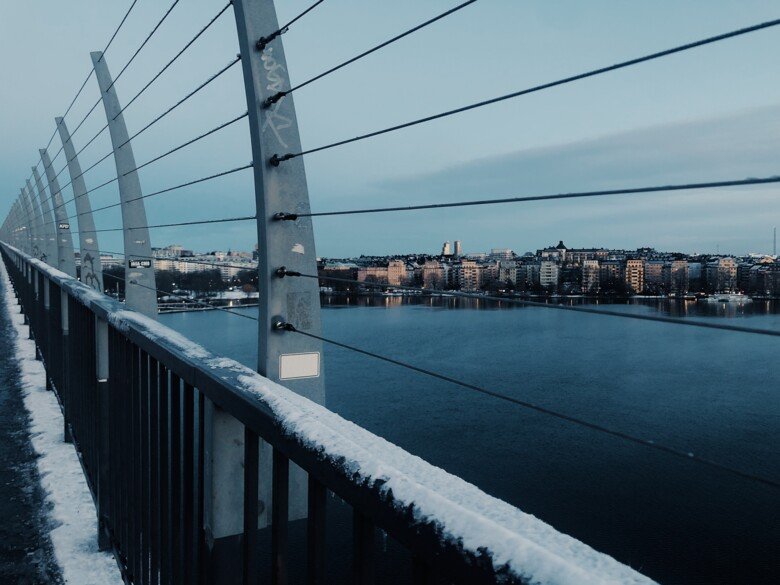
x=714, y=393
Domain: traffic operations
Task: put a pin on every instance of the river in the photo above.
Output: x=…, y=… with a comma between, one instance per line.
x=714, y=393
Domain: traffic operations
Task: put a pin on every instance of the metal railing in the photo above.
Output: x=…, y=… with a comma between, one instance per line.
x=157, y=421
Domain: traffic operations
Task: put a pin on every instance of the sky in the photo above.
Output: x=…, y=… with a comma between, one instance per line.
x=708, y=114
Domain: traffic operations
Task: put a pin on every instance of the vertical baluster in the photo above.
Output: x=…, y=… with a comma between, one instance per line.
x=143, y=430
x=127, y=360
x=113, y=420
x=362, y=549
x=176, y=482
x=154, y=477
x=422, y=573
x=279, y=514
x=251, y=464
x=165, y=480
x=135, y=477
x=200, y=576
x=189, y=482
x=315, y=533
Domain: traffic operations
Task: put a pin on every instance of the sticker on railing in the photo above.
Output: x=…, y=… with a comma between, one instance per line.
x=293, y=366
x=139, y=263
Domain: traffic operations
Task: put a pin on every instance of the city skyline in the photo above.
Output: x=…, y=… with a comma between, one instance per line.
x=467, y=251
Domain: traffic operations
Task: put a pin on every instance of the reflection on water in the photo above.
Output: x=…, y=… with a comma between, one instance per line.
x=662, y=306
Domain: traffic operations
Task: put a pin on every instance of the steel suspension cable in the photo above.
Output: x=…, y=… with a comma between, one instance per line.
x=111, y=40
x=515, y=301
x=84, y=83
x=176, y=56
x=263, y=41
x=184, y=99
x=192, y=141
x=572, y=195
x=276, y=158
x=187, y=184
x=167, y=190
x=157, y=158
x=143, y=44
x=544, y=410
x=177, y=224
x=279, y=95
x=121, y=23
x=150, y=124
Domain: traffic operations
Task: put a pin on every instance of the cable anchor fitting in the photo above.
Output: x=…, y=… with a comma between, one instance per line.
x=282, y=216
x=276, y=159
x=269, y=101
x=262, y=42
x=282, y=271
x=280, y=325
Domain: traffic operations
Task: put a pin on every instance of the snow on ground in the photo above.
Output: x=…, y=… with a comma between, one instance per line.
x=72, y=512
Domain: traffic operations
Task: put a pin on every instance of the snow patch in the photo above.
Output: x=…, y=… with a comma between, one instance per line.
x=70, y=505
x=157, y=332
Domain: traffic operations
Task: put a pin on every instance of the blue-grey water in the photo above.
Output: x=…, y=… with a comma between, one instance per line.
x=714, y=393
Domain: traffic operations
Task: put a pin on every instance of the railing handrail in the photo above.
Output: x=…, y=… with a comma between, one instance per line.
x=449, y=521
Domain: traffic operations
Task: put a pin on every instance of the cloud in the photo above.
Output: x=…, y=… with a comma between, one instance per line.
x=734, y=146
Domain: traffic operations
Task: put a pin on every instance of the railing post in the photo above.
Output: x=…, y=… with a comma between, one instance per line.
x=50, y=229
x=30, y=222
x=103, y=473
x=65, y=253
x=41, y=243
x=140, y=285
x=293, y=360
x=89, y=249
x=65, y=349
x=18, y=238
x=224, y=466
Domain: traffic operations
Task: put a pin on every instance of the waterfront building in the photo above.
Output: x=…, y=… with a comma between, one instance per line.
x=558, y=253
x=458, y=248
x=434, y=275
x=721, y=275
x=654, y=276
x=528, y=274
x=549, y=274
x=695, y=282
x=744, y=270
x=677, y=280
x=507, y=272
x=591, y=276
x=610, y=271
x=446, y=249
x=501, y=254
x=635, y=275
x=396, y=272
x=468, y=275
x=579, y=255
x=345, y=270
x=393, y=273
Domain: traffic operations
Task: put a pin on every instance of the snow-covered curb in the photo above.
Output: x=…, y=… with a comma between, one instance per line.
x=70, y=506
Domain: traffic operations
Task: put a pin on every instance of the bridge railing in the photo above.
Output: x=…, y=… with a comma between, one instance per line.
x=159, y=422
